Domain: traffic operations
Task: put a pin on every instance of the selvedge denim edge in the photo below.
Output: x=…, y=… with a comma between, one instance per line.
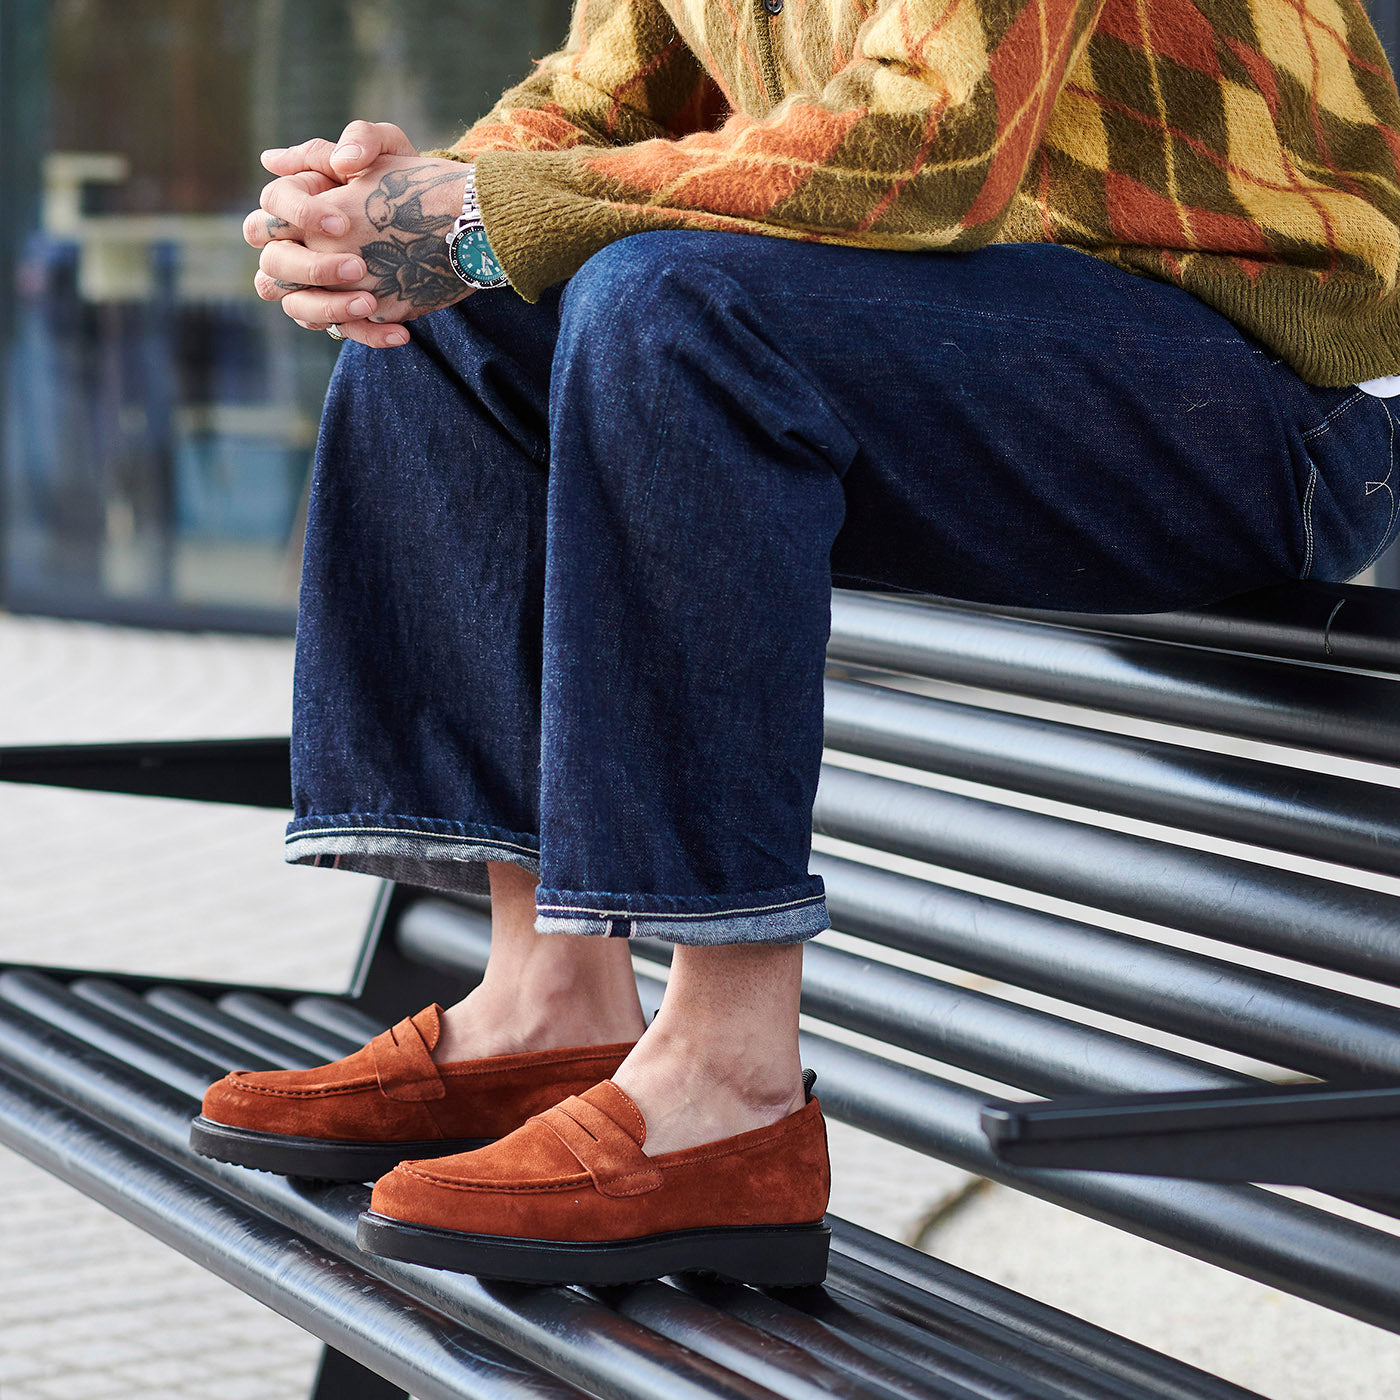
x=789, y=915
x=416, y=852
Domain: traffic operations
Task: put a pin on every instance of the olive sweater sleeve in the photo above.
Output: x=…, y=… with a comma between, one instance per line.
x=920, y=140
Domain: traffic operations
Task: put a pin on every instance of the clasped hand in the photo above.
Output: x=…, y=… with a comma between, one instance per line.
x=353, y=233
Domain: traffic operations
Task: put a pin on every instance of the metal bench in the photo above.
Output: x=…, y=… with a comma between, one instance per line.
x=1192, y=844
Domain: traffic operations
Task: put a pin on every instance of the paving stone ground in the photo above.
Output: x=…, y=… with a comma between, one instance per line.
x=92, y=1307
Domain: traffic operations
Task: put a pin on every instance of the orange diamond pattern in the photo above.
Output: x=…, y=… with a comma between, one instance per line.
x=1246, y=149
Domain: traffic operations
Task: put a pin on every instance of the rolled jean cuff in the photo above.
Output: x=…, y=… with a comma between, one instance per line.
x=429, y=851
x=792, y=914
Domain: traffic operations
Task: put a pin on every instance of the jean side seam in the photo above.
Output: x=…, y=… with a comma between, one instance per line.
x=1326, y=423
x=1308, y=523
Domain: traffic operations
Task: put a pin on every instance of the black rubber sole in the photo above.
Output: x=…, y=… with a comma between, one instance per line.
x=767, y=1256
x=315, y=1159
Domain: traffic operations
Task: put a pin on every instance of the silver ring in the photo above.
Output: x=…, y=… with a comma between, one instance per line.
x=335, y=332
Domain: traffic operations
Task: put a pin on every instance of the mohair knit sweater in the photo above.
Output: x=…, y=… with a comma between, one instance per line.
x=1247, y=150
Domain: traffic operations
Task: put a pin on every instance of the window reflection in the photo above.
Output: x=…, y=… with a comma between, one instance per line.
x=160, y=418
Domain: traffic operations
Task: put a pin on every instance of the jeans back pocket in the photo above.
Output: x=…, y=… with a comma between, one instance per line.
x=1350, y=515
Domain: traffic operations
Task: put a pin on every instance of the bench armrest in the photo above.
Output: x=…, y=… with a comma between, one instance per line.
x=246, y=772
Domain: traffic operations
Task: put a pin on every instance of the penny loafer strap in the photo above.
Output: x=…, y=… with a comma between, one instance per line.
x=404, y=1065
x=606, y=1151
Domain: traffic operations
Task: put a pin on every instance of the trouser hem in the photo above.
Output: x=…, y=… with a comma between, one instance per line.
x=792, y=914
x=429, y=852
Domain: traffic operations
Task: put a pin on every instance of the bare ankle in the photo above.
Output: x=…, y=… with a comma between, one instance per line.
x=541, y=991
x=503, y=1020
x=721, y=1057
x=691, y=1093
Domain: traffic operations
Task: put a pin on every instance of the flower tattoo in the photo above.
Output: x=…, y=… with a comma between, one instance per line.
x=416, y=271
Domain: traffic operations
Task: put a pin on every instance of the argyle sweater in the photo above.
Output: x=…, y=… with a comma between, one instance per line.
x=1246, y=150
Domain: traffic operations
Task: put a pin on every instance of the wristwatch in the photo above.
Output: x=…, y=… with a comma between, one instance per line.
x=467, y=248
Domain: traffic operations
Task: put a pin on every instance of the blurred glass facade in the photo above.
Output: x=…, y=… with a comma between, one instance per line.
x=158, y=418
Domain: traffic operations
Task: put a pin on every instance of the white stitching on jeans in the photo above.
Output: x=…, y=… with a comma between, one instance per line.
x=1374, y=486
x=1307, y=523
x=1327, y=422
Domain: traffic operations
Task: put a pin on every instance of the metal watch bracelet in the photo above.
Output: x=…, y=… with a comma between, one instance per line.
x=467, y=243
x=471, y=209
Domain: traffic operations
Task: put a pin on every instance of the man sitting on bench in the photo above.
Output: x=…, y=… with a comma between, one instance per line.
x=1073, y=304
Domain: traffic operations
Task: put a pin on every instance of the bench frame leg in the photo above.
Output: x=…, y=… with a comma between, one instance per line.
x=385, y=984
x=338, y=1377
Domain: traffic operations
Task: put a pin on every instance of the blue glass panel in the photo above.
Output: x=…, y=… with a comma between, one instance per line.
x=158, y=417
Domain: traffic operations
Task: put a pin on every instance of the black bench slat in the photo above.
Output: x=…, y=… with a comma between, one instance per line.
x=1312, y=707
x=203, y=1015
x=1014, y=1045
x=141, y=1011
x=1011, y=1044
x=243, y=772
x=812, y=1373
x=901, y=1282
x=1274, y=910
x=336, y=1301
x=1338, y=624
x=905, y=1369
x=1294, y=1247
x=340, y=1019
x=537, y=1322
x=1267, y=804
x=1280, y=1020
x=275, y=1018
x=143, y=982
x=834, y=1312
x=907, y=1357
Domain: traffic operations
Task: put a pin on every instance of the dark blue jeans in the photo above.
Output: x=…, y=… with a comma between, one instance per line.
x=568, y=567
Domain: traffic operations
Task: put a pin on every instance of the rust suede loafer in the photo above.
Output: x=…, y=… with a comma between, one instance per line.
x=354, y=1119
x=570, y=1197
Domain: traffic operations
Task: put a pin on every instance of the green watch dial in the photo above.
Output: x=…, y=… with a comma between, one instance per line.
x=475, y=260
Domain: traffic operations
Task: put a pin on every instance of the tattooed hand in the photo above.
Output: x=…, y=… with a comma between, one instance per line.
x=355, y=234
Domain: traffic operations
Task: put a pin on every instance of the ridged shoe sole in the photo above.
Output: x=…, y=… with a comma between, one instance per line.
x=315, y=1159
x=767, y=1256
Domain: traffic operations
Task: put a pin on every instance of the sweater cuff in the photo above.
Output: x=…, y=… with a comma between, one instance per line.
x=448, y=153
x=540, y=230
